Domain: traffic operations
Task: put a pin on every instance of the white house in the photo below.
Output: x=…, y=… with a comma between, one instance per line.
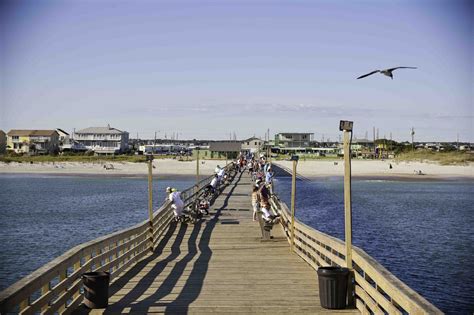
x=103, y=140
x=252, y=145
x=293, y=139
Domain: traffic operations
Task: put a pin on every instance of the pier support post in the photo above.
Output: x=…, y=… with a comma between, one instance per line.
x=150, y=199
x=197, y=169
x=294, y=158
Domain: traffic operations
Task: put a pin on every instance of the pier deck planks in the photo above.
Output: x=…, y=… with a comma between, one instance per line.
x=219, y=266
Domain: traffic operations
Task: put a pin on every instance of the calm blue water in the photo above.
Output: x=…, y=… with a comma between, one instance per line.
x=41, y=217
x=421, y=231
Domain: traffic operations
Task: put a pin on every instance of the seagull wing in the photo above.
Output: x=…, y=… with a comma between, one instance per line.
x=366, y=75
x=391, y=69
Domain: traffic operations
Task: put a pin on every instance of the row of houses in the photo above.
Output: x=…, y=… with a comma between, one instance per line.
x=109, y=140
x=101, y=140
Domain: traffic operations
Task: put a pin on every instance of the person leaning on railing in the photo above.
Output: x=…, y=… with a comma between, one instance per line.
x=264, y=195
x=178, y=205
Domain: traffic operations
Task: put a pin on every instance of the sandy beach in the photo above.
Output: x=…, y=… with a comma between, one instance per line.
x=381, y=169
x=162, y=168
x=310, y=169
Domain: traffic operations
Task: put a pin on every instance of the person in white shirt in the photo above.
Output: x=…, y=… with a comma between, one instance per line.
x=175, y=197
x=214, y=182
x=220, y=175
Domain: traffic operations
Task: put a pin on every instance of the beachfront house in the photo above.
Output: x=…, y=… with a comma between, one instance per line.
x=252, y=145
x=33, y=141
x=293, y=139
x=225, y=149
x=103, y=140
x=293, y=142
x=66, y=143
x=3, y=142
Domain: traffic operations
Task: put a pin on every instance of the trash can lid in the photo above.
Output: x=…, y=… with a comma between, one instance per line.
x=96, y=274
x=332, y=270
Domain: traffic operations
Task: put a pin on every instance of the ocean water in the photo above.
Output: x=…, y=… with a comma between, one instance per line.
x=422, y=232
x=41, y=217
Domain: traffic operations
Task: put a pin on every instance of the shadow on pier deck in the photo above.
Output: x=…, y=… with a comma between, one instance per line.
x=219, y=266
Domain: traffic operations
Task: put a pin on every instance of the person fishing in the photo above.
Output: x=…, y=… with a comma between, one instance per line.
x=177, y=203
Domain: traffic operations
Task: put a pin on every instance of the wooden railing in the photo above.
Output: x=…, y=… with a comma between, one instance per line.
x=376, y=291
x=57, y=286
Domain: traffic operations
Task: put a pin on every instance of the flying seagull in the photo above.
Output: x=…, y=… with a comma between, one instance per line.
x=387, y=72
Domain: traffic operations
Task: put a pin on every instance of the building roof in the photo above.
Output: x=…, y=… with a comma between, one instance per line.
x=251, y=139
x=225, y=146
x=29, y=133
x=59, y=130
x=295, y=133
x=100, y=130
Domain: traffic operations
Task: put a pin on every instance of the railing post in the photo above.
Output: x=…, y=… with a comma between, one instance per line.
x=294, y=158
x=150, y=198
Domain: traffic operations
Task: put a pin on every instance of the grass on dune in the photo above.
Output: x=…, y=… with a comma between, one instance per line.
x=443, y=158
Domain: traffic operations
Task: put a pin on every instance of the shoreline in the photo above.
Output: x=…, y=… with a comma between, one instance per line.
x=313, y=170
x=96, y=175
x=395, y=177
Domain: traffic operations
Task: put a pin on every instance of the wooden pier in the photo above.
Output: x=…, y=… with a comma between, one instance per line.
x=221, y=264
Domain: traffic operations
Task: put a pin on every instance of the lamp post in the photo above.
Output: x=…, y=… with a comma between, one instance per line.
x=294, y=158
x=149, y=159
x=197, y=168
x=346, y=127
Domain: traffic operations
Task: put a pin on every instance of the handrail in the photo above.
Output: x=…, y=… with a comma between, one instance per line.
x=376, y=289
x=56, y=287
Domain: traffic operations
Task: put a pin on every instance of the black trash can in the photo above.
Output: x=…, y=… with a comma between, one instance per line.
x=333, y=287
x=96, y=289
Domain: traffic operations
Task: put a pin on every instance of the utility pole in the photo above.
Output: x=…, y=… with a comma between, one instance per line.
x=154, y=144
x=375, y=148
x=268, y=146
x=412, y=139
x=457, y=142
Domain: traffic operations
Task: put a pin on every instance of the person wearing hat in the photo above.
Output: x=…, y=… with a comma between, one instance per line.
x=175, y=197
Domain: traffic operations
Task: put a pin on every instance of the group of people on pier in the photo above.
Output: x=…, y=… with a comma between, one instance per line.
x=174, y=196
x=262, y=191
x=262, y=175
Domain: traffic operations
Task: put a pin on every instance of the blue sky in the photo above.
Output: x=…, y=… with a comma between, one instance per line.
x=204, y=69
